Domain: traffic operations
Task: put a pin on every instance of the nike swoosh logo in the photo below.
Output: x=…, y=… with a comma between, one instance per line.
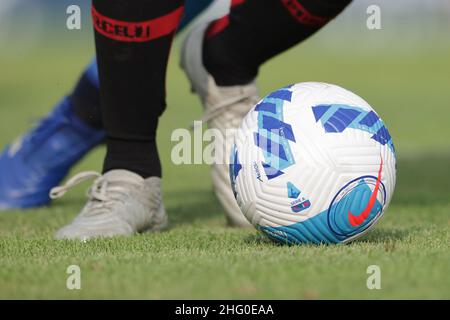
x=356, y=221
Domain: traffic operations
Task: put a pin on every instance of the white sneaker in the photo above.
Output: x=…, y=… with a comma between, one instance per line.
x=120, y=203
x=225, y=107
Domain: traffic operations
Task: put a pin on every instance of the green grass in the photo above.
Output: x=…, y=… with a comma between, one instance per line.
x=199, y=256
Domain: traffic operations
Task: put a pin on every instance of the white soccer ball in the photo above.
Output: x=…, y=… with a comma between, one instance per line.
x=313, y=163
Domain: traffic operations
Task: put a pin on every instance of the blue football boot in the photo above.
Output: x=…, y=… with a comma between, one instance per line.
x=39, y=160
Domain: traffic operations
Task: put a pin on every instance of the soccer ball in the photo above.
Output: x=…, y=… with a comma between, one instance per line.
x=313, y=163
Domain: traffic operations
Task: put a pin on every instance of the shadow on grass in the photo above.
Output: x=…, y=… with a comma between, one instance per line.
x=380, y=235
x=376, y=236
x=260, y=239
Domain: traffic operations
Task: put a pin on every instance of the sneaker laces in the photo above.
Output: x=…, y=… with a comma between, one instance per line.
x=60, y=191
x=102, y=195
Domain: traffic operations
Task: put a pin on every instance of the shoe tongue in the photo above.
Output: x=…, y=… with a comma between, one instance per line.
x=123, y=176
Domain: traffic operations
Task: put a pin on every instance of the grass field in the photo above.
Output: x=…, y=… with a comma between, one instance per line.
x=199, y=256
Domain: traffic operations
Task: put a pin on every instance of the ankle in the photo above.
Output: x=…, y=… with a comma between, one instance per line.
x=225, y=66
x=140, y=157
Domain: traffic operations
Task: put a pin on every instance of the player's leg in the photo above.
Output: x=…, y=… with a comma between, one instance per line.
x=41, y=158
x=222, y=58
x=255, y=31
x=85, y=97
x=133, y=41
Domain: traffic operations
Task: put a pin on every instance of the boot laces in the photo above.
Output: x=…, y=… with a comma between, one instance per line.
x=102, y=195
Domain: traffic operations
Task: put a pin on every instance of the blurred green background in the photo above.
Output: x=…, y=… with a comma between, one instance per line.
x=402, y=70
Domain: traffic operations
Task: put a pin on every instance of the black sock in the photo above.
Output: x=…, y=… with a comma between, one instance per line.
x=140, y=157
x=255, y=31
x=133, y=40
x=85, y=102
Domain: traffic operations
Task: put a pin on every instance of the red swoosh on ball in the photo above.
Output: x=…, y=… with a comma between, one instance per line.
x=358, y=220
